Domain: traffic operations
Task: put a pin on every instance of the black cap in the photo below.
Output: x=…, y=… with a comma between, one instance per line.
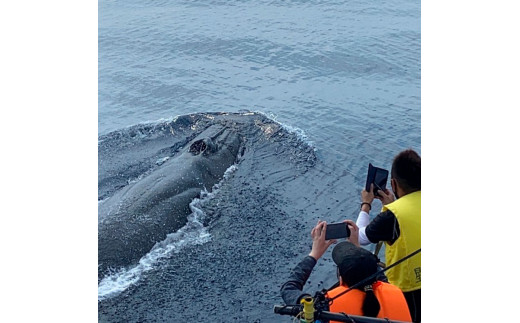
x=355, y=264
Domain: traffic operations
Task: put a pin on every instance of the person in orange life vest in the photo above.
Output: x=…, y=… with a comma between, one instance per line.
x=399, y=226
x=375, y=298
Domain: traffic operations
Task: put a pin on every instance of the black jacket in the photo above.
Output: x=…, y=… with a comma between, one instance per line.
x=291, y=291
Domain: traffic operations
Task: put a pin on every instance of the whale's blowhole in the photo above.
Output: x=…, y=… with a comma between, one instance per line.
x=198, y=147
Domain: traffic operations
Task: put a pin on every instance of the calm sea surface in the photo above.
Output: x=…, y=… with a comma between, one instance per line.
x=345, y=74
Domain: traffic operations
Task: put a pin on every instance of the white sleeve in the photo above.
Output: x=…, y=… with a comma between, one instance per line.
x=362, y=221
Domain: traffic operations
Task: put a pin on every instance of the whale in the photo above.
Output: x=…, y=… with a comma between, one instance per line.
x=133, y=219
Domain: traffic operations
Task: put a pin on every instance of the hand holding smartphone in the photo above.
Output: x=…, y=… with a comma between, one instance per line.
x=378, y=177
x=337, y=231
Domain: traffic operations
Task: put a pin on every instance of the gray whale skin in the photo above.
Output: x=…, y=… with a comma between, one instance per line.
x=143, y=213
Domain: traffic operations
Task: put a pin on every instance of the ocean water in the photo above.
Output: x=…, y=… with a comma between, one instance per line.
x=348, y=69
x=344, y=75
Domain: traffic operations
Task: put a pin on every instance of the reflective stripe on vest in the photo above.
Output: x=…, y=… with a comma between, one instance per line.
x=392, y=301
x=407, y=210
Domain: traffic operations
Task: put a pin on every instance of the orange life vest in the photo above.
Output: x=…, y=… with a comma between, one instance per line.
x=390, y=297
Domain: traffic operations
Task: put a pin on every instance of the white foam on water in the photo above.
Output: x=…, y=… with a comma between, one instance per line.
x=156, y=122
x=161, y=161
x=193, y=233
x=300, y=134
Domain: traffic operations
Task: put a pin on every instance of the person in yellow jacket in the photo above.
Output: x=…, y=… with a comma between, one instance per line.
x=398, y=225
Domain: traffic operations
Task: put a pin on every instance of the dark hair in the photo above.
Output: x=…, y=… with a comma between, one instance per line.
x=406, y=170
x=371, y=306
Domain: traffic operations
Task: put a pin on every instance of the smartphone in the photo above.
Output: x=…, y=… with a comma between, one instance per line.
x=337, y=231
x=378, y=177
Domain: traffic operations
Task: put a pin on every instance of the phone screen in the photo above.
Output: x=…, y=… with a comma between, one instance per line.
x=381, y=178
x=378, y=177
x=337, y=231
